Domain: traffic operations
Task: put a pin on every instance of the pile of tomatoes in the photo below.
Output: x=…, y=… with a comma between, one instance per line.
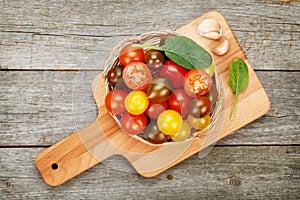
x=156, y=98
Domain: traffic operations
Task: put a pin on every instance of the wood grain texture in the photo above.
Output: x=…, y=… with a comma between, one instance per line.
x=103, y=138
x=43, y=113
x=226, y=173
x=72, y=35
x=51, y=35
x=66, y=158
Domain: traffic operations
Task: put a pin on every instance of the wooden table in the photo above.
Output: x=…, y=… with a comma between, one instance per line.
x=51, y=50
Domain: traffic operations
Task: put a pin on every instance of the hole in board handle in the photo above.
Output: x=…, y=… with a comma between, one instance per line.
x=54, y=166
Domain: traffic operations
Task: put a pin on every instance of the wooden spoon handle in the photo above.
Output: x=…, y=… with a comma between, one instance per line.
x=69, y=157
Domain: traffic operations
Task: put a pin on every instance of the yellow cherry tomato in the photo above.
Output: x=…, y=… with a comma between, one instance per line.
x=210, y=70
x=199, y=123
x=169, y=122
x=183, y=133
x=136, y=102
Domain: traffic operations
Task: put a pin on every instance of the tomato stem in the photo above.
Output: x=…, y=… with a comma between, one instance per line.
x=234, y=106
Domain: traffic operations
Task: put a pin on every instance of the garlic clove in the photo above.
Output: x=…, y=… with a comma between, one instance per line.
x=210, y=28
x=222, y=48
x=211, y=35
x=209, y=25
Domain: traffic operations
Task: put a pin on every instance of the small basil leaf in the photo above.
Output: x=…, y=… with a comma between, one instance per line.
x=238, y=80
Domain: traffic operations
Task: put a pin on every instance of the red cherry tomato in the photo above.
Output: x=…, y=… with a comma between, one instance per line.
x=137, y=75
x=133, y=124
x=154, y=109
x=114, y=101
x=180, y=101
x=197, y=83
x=174, y=72
x=129, y=54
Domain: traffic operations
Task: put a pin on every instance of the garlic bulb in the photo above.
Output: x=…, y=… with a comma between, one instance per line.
x=210, y=29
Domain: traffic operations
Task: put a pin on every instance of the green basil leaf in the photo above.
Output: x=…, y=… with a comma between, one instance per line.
x=187, y=53
x=179, y=60
x=238, y=75
x=238, y=80
x=183, y=51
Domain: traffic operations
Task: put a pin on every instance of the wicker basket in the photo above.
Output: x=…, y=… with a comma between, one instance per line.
x=156, y=38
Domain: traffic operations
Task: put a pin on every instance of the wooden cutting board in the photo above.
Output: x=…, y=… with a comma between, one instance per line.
x=102, y=138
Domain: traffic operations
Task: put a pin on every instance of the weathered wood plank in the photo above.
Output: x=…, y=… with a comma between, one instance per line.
x=38, y=108
x=226, y=172
x=54, y=52
x=79, y=35
x=43, y=107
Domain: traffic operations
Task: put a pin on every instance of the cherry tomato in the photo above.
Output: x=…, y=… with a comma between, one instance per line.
x=183, y=133
x=114, y=75
x=197, y=83
x=169, y=122
x=200, y=106
x=133, y=124
x=129, y=54
x=154, y=109
x=159, y=90
x=152, y=134
x=199, y=123
x=180, y=101
x=174, y=72
x=154, y=58
x=136, y=102
x=114, y=101
x=137, y=75
x=210, y=70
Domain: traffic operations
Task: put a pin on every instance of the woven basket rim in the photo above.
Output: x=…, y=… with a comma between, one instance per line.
x=112, y=60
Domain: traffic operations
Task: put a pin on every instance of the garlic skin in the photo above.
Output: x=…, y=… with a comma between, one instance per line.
x=222, y=48
x=210, y=29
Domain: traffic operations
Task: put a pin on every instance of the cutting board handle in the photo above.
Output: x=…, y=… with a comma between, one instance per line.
x=71, y=156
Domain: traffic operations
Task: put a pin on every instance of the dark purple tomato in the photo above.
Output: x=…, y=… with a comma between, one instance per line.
x=114, y=75
x=154, y=58
x=200, y=107
x=159, y=90
x=152, y=134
